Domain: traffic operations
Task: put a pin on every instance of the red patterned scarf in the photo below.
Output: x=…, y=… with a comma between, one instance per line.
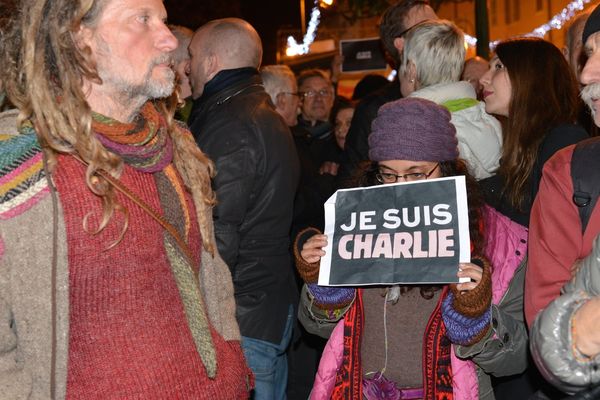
x=437, y=370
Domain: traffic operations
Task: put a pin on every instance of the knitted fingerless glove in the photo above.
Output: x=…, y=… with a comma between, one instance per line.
x=307, y=271
x=468, y=315
x=327, y=304
x=330, y=298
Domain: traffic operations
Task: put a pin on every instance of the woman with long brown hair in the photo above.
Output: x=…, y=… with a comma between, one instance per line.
x=531, y=88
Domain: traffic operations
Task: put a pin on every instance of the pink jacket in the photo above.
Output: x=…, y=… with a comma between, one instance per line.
x=506, y=248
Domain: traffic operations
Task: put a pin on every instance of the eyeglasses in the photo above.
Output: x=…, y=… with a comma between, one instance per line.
x=404, y=32
x=388, y=177
x=314, y=93
x=291, y=93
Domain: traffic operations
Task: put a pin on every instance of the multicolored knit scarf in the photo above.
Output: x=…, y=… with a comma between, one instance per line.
x=143, y=144
x=146, y=146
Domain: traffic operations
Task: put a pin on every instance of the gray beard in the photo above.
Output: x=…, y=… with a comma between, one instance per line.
x=150, y=89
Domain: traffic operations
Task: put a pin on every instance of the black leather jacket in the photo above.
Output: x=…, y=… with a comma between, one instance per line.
x=257, y=175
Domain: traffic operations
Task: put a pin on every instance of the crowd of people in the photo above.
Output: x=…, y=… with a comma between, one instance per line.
x=161, y=211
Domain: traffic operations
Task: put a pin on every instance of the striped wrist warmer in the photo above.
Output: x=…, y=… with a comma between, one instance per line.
x=461, y=329
x=329, y=298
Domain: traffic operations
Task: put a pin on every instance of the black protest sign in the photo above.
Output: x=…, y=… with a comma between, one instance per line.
x=362, y=55
x=414, y=232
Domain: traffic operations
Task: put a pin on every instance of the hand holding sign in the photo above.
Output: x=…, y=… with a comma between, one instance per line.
x=312, y=251
x=472, y=272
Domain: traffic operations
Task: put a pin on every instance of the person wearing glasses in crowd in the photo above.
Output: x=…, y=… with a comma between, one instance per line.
x=317, y=97
x=314, y=187
x=313, y=190
x=442, y=341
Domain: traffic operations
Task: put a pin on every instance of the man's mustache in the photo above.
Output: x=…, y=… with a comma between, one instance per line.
x=590, y=92
x=165, y=59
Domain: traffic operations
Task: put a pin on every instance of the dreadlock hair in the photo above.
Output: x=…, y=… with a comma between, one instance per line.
x=44, y=68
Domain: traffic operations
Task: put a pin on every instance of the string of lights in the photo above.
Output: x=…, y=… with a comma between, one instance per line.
x=556, y=22
x=295, y=48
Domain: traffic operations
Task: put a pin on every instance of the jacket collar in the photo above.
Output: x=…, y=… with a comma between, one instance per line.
x=227, y=78
x=224, y=86
x=443, y=92
x=321, y=130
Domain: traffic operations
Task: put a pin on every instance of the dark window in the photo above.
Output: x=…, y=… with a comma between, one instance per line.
x=539, y=5
x=516, y=10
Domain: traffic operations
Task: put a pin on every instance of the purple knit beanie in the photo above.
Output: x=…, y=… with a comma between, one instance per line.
x=413, y=129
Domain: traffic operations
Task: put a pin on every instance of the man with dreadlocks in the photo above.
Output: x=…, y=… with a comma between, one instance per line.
x=111, y=285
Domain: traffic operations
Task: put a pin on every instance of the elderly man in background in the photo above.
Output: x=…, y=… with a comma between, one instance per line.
x=234, y=121
x=317, y=96
x=313, y=191
x=317, y=99
x=111, y=285
x=280, y=83
x=315, y=187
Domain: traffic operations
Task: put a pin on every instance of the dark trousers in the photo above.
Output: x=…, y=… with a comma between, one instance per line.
x=304, y=355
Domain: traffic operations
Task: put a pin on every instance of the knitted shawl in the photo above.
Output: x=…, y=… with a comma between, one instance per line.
x=146, y=145
x=437, y=369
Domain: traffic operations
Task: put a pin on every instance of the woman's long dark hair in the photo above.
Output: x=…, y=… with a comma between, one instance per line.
x=544, y=95
x=366, y=177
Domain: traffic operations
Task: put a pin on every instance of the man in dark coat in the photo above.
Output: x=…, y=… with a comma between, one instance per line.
x=234, y=121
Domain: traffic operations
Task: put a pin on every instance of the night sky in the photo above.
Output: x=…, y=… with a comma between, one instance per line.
x=267, y=16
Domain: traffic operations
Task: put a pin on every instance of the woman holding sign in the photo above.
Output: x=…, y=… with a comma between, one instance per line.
x=421, y=342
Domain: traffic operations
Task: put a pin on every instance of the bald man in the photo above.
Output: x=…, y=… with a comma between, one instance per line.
x=235, y=122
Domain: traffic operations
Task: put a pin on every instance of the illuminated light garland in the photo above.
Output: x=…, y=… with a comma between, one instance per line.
x=295, y=48
x=557, y=22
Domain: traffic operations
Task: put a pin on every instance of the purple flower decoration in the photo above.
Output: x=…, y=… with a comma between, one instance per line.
x=379, y=387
